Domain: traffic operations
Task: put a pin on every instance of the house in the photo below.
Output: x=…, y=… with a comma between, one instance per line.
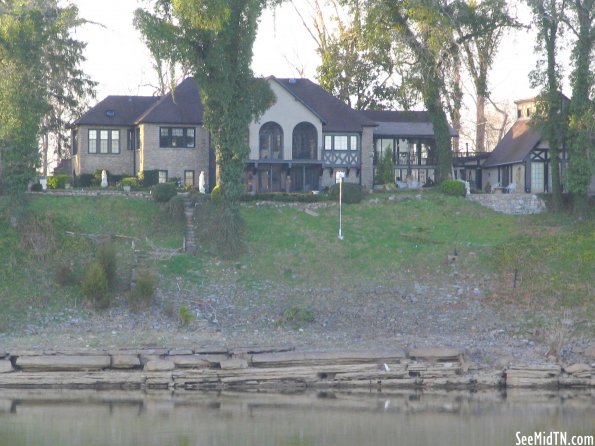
x=298, y=144
x=130, y=134
x=522, y=156
x=409, y=136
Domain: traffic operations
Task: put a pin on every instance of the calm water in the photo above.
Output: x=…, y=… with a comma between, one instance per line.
x=228, y=419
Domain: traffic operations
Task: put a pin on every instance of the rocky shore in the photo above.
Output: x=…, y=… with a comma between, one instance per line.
x=276, y=368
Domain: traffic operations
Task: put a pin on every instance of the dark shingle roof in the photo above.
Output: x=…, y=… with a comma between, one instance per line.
x=515, y=145
x=187, y=108
x=336, y=116
x=403, y=123
x=117, y=110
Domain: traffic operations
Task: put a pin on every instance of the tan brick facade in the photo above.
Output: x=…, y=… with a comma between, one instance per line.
x=176, y=161
x=117, y=164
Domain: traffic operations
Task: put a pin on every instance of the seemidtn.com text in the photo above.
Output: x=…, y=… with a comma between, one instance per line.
x=553, y=439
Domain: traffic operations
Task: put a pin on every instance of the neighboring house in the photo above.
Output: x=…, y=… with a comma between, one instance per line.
x=303, y=139
x=409, y=136
x=298, y=144
x=522, y=156
x=130, y=134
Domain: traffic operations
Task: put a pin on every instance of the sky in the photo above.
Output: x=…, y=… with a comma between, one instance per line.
x=119, y=61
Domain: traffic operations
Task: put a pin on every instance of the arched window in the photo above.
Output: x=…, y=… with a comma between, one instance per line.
x=271, y=141
x=305, y=142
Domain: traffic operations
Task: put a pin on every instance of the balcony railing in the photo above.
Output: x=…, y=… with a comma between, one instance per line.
x=341, y=158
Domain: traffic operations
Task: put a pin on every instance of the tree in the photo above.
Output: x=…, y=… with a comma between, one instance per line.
x=479, y=26
x=582, y=105
x=423, y=26
x=215, y=39
x=22, y=36
x=547, y=17
x=41, y=84
x=385, y=173
x=68, y=88
x=357, y=56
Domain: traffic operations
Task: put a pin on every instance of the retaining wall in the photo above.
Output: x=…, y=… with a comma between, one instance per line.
x=513, y=204
x=276, y=368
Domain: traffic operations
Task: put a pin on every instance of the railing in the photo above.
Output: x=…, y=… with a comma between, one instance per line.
x=342, y=158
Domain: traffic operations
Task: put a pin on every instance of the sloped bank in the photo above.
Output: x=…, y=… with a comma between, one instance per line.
x=274, y=368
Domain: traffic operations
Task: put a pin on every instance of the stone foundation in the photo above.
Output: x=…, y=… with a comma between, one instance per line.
x=275, y=368
x=512, y=204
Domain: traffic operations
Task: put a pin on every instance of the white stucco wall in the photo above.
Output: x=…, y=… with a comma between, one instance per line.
x=287, y=112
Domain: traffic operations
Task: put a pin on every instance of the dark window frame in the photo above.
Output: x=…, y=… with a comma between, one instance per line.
x=271, y=141
x=193, y=178
x=303, y=135
x=181, y=141
x=110, y=140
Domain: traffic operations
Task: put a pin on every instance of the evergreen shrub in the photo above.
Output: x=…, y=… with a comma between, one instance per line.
x=453, y=187
x=58, y=181
x=352, y=193
x=217, y=195
x=95, y=286
x=144, y=291
x=287, y=197
x=106, y=257
x=163, y=192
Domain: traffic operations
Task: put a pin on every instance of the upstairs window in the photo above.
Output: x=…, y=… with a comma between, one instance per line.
x=340, y=142
x=271, y=141
x=104, y=142
x=178, y=137
x=305, y=142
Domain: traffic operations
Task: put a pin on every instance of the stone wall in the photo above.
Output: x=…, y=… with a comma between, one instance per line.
x=512, y=204
x=276, y=368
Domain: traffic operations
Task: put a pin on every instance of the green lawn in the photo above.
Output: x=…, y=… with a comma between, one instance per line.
x=401, y=242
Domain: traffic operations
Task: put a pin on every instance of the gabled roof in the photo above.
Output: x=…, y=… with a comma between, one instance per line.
x=117, y=111
x=336, y=116
x=183, y=107
x=403, y=123
x=515, y=145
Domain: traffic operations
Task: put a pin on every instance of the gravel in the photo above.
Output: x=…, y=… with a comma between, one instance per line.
x=396, y=314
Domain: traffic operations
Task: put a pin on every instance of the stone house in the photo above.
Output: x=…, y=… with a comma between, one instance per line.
x=298, y=144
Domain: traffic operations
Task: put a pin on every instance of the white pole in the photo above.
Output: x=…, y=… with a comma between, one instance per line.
x=340, y=208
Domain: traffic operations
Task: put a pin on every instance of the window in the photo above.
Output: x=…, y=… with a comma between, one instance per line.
x=340, y=142
x=134, y=138
x=271, y=141
x=104, y=141
x=537, y=178
x=189, y=178
x=305, y=142
x=163, y=176
x=383, y=146
x=178, y=137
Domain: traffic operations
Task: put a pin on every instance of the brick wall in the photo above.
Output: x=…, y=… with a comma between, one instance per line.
x=117, y=164
x=174, y=160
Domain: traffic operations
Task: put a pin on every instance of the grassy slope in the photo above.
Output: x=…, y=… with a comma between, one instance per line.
x=28, y=285
x=402, y=242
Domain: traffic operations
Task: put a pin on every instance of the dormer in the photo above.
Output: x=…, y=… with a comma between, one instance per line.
x=525, y=108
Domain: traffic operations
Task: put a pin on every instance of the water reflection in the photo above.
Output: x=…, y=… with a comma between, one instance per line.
x=234, y=419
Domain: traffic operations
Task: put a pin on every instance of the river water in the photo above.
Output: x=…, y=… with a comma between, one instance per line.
x=64, y=418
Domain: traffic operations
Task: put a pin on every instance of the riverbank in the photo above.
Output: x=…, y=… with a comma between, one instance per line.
x=276, y=368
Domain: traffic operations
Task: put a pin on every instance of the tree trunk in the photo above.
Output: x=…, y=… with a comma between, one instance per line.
x=553, y=126
x=480, y=117
x=45, y=143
